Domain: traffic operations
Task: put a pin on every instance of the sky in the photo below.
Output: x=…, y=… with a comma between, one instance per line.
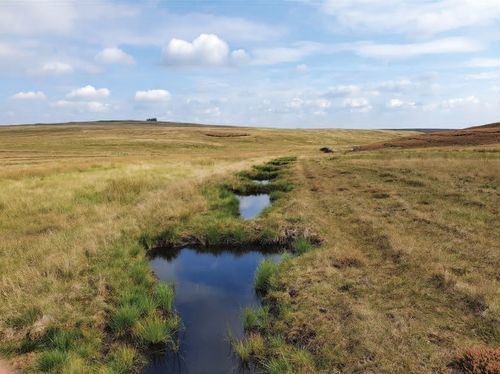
x=298, y=64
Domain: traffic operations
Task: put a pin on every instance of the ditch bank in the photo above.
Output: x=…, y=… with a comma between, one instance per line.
x=222, y=263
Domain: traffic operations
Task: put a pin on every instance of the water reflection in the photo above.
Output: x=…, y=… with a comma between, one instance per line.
x=252, y=205
x=212, y=289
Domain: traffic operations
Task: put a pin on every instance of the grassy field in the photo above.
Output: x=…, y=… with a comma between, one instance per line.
x=406, y=279
x=76, y=292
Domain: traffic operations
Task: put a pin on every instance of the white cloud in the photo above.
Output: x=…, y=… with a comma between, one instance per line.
x=29, y=95
x=439, y=46
x=114, y=55
x=279, y=55
x=483, y=76
x=206, y=49
x=213, y=111
x=240, y=56
x=357, y=104
x=484, y=63
x=82, y=106
x=301, y=68
x=413, y=17
x=89, y=93
x=342, y=90
x=453, y=103
x=35, y=17
x=55, y=68
x=400, y=104
x=460, y=101
x=153, y=96
x=316, y=104
x=394, y=85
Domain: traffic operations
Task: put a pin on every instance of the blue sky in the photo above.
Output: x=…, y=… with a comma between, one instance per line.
x=304, y=63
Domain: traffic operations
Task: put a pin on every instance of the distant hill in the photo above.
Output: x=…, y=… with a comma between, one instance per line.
x=127, y=123
x=479, y=135
x=489, y=125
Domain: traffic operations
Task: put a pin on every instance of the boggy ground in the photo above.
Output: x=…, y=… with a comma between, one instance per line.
x=406, y=279
x=76, y=292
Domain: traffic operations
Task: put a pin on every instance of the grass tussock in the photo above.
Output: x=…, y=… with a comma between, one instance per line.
x=266, y=276
x=256, y=318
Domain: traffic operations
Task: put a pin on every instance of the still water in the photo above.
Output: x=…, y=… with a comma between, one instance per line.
x=212, y=287
x=252, y=205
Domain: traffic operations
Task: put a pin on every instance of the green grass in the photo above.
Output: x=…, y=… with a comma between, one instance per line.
x=302, y=246
x=164, y=296
x=152, y=329
x=50, y=361
x=249, y=349
x=123, y=319
x=266, y=276
x=255, y=318
x=123, y=359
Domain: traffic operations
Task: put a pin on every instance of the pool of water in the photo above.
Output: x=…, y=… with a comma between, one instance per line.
x=265, y=181
x=212, y=288
x=252, y=205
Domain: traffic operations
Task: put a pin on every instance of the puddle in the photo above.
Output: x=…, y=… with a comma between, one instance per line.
x=264, y=182
x=252, y=205
x=212, y=288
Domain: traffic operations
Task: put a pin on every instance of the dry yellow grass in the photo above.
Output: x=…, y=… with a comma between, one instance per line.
x=69, y=193
x=407, y=277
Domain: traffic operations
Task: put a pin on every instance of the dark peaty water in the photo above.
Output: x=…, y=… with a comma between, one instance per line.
x=212, y=289
x=252, y=205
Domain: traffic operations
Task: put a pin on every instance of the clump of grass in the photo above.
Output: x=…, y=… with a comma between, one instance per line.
x=52, y=360
x=152, y=330
x=137, y=298
x=25, y=318
x=302, y=246
x=250, y=348
x=123, y=319
x=123, y=359
x=266, y=276
x=164, y=296
x=255, y=318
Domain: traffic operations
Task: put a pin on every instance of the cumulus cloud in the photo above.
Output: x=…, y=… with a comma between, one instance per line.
x=89, y=93
x=29, y=95
x=438, y=46
x=82, y=106
x=114, y=55
x=55, y=68
x=206, y=49
x=153, y=96
x=357, y=104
